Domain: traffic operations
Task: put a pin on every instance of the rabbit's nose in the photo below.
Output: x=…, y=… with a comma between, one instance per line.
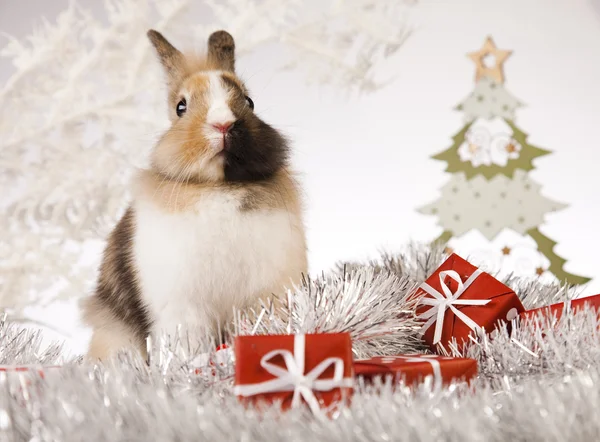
x=223, y=127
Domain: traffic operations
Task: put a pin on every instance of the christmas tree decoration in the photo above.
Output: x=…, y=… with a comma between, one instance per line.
x=414, y=369
x=529, y=385
x=459, y=301
x=490, y=190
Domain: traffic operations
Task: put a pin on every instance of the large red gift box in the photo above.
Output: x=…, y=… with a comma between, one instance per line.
x=459, y=299
x=414, y=369
x=554, y=312
x=312, y=369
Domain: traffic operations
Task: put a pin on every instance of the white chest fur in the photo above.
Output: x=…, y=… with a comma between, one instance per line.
x=195, y=266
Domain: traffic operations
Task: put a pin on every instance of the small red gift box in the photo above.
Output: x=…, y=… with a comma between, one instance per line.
x=40, y=369
x=315, y=369
x=29, y=377
x=459, y=299
x=554, y=312
x=415, y=368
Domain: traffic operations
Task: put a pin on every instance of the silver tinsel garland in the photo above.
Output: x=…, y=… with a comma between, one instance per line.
x=540, y=382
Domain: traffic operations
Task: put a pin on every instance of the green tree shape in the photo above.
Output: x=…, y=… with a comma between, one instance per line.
x=524, y=161
x=546, y=247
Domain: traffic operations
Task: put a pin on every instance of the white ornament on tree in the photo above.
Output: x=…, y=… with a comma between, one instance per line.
x=503, y=148
x=489, y=142
x=471, y=151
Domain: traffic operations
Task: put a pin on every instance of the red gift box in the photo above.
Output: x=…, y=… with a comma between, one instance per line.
x=315, y=369
x=458, y=299
x=415, y=368
x=554, y=312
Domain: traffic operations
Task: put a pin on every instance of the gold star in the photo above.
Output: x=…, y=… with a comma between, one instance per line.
x=540, y=271
x=510, y=148
x=506, y=250
x=499, y=55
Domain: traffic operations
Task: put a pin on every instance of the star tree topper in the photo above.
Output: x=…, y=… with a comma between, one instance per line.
x=489, y=49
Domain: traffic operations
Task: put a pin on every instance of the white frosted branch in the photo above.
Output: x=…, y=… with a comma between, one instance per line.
x=38, y=63
x=143, y=47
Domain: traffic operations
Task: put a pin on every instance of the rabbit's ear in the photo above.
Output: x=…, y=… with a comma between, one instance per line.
x=172, y=60
x=221, y=51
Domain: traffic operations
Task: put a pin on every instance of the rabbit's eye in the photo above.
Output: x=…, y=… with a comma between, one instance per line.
x=250, y=102
x=181, y=107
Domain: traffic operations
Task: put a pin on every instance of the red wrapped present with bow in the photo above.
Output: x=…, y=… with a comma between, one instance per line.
x=313, y=369
x=416, y=368
x=459, y=299
x=554, y=312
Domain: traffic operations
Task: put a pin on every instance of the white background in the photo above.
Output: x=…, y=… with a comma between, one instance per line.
x=366, y=160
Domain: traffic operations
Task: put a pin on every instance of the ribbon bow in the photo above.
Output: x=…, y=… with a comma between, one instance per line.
x=293, y=378
x=447, y=300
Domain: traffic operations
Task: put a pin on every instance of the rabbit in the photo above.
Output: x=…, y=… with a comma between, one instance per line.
x=214, y=224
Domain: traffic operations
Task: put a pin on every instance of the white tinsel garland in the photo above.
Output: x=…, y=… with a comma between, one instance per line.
x=371, y=305
x=538, y=383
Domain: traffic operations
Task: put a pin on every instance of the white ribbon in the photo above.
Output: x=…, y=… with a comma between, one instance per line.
x=447, y=300
x=293, y=378
x=432, y=360
x=567, y=307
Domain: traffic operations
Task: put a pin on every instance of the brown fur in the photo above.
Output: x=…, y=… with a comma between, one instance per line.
x=280, y=192
x=110, y=334
x=220, y=56
x=116, y=311
x=234, y=82
x=172, y=60
x=181, y=146
x=221, y=50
